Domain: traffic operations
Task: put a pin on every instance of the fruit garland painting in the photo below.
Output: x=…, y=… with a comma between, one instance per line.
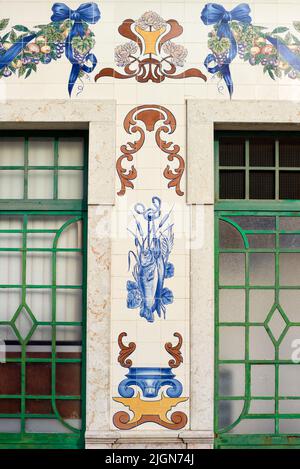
x=23, y=50
x=276, y=51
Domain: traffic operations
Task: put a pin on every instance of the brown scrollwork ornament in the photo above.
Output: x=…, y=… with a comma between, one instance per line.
x=146, y=118
x=125, y=351
x=151, y=54
x=174, y=350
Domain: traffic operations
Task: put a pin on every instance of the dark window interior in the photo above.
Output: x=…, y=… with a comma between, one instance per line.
x=259, y=166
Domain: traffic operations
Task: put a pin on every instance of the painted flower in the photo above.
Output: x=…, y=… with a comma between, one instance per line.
x=150, y=21
x=123, y=53
x=176, y=52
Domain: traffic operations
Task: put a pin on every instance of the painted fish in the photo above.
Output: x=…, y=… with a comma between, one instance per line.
x=151, y=269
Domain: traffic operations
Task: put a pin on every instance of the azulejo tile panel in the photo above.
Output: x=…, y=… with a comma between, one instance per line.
x=22, y=50
x=234, y=34
x=158, y=390
x=149, y=118
x=150, y=54
x=154, y=240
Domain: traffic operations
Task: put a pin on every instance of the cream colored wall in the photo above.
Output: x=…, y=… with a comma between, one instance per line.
x=190, y=314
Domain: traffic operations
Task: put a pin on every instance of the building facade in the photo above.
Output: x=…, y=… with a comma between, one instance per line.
x=149, y=224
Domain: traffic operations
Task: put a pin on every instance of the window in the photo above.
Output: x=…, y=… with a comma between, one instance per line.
x=257, y=279
x=42, y=288
x=258, y=166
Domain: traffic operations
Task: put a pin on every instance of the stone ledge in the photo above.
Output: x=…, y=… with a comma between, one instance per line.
x=117, y=438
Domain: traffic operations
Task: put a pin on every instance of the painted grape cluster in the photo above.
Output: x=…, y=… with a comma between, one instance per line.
x=48, y=45
x=253, y=47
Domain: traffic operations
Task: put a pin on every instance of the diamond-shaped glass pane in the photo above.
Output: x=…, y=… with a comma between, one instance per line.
x=277, y=323
x=24, y=323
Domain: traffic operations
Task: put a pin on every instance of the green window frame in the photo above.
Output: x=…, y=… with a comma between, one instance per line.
x=233, y=213
x=56, y=398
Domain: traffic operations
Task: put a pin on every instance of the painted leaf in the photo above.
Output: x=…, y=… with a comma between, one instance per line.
x=271, y=73
x=297, y=25
x=21, y=28
x=279, y=30
x=22, y=70
x=167, y=296
x=169, y=270
x=5, y=37
x=296, y=40
x=28, y=73
x=13, y=36
x=4, y=23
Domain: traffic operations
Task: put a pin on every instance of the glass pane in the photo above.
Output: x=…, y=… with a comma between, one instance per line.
x=40, y=303
x=289, y=223
x=10, y=425
x=289, y=153
x=291, y=344
x=11, y=222
x=71, y=236
x=231, y=152
x=39, y=268
x=262, y=407
x=10, y=240
x=69, y=305
x=290, y=406
x=38, y=406
x=40, y=240
x=230, y=238
x=232, y=184
x=37, y=222
x=262, y=152
x=262, y=380
x=231, y=380
x=289, y=185
x=289, y=380
x=11, y=268
x=259, y=241
x=254, y=426
x=289, y=426
x=11, y=151
x=41, y=152
x=40, y=184
x=260, y=345
x=229, y=412
x=38, y=379
x=10, y=299
x=232, y=343
x=70, y=184
x=261, y=302
x=262, y=268
x=255, y=223
x=45, y=426
x=289, y=268
x=291, y=241
x=232, y=305
x=11, y=184
x=68, y=268
x=69, y=333
x=68, y=380
x=262, y=185
x=290, y=303
x=232, y=269
x=71, y=152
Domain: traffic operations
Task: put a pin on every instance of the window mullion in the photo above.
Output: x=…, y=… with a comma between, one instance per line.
x=26, y=145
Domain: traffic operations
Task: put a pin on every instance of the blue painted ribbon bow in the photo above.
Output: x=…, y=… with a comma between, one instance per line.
x=213, y=13
x=87, y=12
